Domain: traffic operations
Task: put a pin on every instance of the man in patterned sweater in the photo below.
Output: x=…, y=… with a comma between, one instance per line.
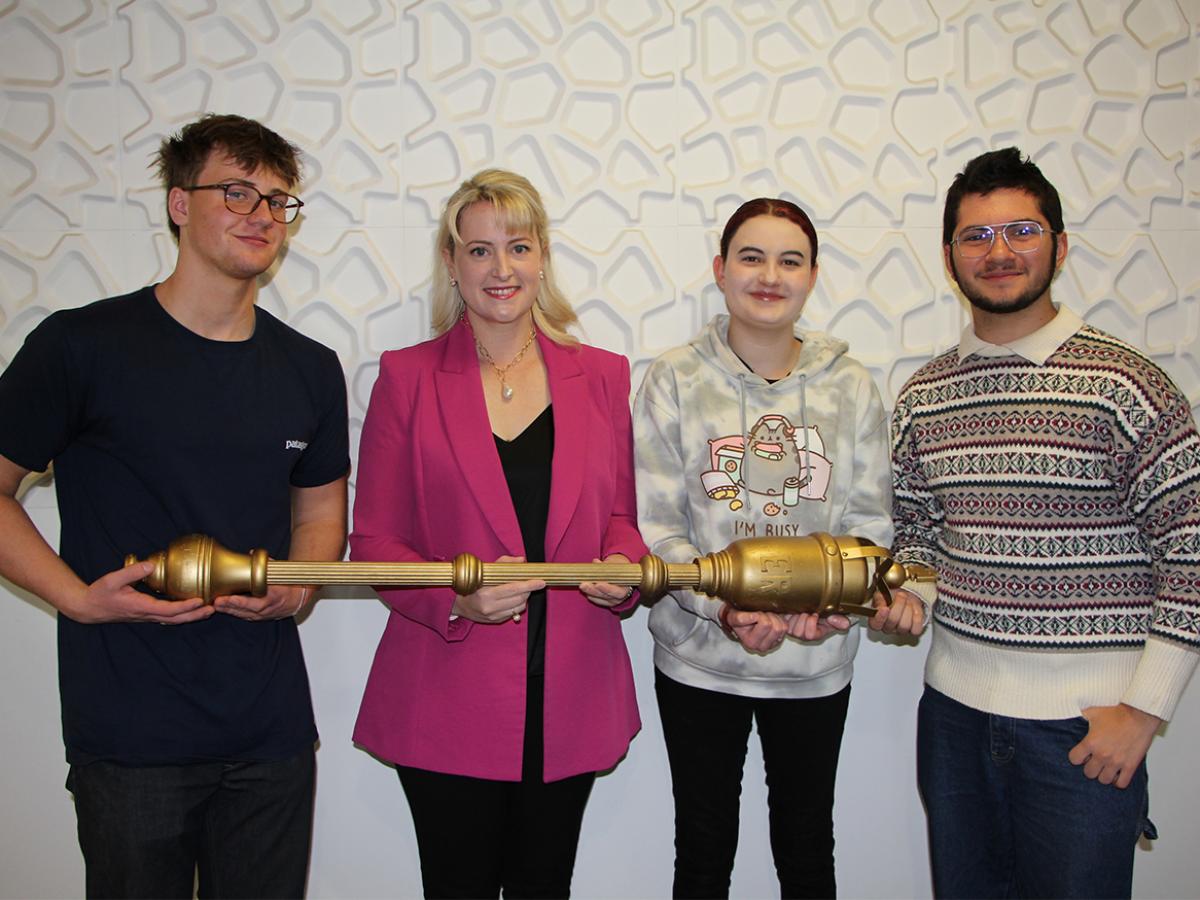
x=1051, y=474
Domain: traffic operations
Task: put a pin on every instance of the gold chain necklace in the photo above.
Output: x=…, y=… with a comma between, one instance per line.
x=506, y=391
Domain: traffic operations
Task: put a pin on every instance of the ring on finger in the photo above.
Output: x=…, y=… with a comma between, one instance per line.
x=516, y=617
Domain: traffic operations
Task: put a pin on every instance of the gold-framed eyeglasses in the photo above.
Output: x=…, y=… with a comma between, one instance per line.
x=1022, y=236
x=243, y=199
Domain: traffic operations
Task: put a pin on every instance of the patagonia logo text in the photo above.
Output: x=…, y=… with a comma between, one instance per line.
x=294, y=445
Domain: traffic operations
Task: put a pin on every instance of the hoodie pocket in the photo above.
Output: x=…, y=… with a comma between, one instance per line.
x=671, y=625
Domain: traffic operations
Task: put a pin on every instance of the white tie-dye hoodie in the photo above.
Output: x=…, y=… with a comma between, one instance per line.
x=721, y=455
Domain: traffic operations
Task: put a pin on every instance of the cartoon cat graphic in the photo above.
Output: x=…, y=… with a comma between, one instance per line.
x=771, y=456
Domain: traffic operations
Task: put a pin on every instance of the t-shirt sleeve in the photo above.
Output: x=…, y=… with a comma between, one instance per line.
x=327, y=456
x=40, y=398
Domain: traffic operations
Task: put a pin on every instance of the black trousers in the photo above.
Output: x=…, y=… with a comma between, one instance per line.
x=480, y=838
x=706, y=734
x=244, y=827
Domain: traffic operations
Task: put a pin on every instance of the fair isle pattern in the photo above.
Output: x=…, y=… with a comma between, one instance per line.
x=1060, y=503
x=1108, y=626
x=1116, y=587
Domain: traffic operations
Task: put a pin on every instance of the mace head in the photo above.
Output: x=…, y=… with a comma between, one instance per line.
x=197, y=566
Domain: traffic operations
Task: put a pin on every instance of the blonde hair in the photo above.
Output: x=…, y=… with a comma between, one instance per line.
x=519, y=207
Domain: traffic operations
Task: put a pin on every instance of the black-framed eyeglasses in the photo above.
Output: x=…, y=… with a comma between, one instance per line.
x=1022, y=236
x=243, y=199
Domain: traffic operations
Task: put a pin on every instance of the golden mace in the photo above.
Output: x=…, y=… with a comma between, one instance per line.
x=817, y=573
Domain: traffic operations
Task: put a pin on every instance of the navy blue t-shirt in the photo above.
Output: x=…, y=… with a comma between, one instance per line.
x=157, y=432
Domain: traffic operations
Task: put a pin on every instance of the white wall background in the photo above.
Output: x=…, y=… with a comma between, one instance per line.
x=644, y=123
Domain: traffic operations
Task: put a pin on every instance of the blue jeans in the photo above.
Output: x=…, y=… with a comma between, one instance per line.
x=243, y=827
x=1010, y=816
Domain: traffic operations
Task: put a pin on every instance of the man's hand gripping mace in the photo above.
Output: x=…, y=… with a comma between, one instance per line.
x=817, y=573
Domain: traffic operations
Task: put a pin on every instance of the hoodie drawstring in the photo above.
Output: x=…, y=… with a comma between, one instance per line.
x=804, y=425
x=745, y=433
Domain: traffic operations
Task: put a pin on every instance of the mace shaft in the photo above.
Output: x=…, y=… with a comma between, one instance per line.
x=442, y=574
x=819, y=573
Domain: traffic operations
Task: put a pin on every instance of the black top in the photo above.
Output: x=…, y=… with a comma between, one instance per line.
x=526, y=460
x=157, y=432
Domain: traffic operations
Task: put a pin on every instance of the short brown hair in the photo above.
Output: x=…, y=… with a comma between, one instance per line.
x=250, y=144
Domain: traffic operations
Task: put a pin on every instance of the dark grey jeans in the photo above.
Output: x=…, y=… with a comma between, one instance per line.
x=244, y=828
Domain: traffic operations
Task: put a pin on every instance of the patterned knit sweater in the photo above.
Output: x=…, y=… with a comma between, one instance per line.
x=1060, y=504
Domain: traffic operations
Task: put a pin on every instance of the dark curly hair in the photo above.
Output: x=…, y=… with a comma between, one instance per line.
x=995, y=170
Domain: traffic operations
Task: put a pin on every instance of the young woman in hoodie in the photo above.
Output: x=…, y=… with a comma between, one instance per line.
x=758, y=428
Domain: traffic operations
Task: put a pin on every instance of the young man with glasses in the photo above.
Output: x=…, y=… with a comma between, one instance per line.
x=1051, y=474
x=183, y=407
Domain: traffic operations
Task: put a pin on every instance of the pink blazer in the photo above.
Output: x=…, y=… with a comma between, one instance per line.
x=450, y=696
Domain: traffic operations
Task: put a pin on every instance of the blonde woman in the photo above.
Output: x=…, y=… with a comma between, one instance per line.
x=505, y=437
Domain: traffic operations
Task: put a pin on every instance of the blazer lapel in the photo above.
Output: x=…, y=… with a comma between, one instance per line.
x=569, y=394
x=464, y=416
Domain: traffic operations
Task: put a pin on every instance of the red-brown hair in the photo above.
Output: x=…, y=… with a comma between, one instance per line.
x=769, y=206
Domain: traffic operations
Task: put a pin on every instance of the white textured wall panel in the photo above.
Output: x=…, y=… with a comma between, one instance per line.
x=644, y=123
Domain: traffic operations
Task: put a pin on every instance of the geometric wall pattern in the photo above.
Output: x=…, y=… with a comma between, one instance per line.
x=644, y=123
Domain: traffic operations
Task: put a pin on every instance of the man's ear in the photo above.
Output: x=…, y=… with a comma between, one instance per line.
x=177, y=205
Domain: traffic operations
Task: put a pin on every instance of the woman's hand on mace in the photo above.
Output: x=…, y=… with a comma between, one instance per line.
x=601, y=592
x=498, y=603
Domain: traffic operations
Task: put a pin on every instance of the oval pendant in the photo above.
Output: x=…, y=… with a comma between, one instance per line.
x=506, y=392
